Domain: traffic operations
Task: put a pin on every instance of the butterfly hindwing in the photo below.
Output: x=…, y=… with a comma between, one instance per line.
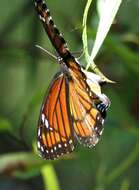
x=87, y=119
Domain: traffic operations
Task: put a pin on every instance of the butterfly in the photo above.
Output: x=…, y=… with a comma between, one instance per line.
x=74, y=109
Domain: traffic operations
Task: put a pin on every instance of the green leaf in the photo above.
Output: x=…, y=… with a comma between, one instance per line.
x=107, y=13
x=49, y=177
x=98, y=41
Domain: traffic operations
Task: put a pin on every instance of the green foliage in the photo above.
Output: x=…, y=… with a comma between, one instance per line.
x=4, y=125
x=49, y=177
x=107, y=11
x=25, y=73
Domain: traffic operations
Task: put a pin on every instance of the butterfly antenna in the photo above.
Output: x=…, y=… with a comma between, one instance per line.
x=79, y=54
x=46, y=51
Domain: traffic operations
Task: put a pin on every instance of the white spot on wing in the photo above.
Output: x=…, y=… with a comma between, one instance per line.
x=42, y=149
x=55, y=148
x=49, y=18
x=98, y=117
x=46, y=123
x=65, y=144
x=100, y=133
x=39, y=131
x=102, y=121
x=52, y=151
x=96, y=128
x=96, y=141
x=42, y=18
x=43, y=117
x=59, y=145
x=70, y=141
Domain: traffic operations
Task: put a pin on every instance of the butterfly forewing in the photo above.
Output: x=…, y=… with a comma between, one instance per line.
x=55, y=133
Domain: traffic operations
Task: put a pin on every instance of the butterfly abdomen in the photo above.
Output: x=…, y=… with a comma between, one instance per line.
x=51, y=29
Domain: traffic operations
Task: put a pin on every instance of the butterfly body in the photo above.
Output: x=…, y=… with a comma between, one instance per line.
x=74, y=109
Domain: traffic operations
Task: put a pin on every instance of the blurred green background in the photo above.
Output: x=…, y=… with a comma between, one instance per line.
x=25, y=73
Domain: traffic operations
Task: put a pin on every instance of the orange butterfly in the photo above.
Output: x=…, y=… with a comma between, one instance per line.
x=74, y=109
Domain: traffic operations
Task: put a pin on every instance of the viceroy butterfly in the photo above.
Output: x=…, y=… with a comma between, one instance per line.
x=74, y=109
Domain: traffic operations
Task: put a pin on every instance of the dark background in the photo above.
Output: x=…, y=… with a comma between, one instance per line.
x=25, y=73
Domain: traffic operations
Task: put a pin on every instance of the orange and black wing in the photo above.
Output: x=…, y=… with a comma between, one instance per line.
x=55, y=134
x=87, y=119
